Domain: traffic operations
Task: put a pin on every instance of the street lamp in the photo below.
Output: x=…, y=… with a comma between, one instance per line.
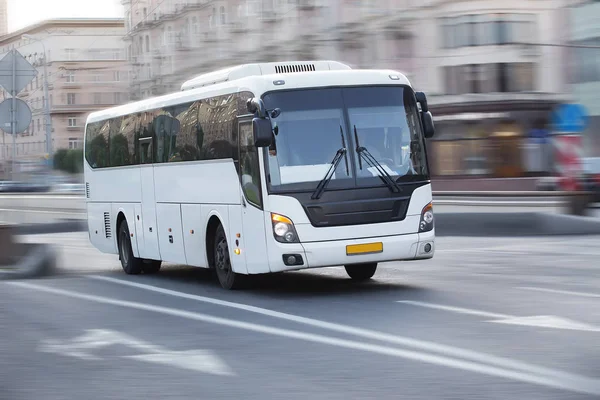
x=47, y=105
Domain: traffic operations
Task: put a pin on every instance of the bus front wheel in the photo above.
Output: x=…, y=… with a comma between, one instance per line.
x=361, y=272
x=222, y=263
x=131, y=264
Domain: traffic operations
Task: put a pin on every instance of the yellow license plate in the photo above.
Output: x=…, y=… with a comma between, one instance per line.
x=366, y=248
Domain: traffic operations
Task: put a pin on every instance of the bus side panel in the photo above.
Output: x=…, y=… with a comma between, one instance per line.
x=200, y=182
x=101, y=227
x=170, y=233
x=238, y=261
x=150, y=236
x=194, y=235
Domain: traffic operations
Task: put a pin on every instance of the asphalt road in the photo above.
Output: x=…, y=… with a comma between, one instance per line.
x=485, y=319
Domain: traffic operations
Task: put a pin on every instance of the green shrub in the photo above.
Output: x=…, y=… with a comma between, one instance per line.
x=70, y=161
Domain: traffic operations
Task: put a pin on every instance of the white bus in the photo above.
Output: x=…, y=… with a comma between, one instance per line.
x=264, y=168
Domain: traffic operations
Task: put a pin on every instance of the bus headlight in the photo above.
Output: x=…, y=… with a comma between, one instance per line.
x=283, y=229
x=426, y=223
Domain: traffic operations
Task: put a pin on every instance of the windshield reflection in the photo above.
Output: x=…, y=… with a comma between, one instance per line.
x=312, y=123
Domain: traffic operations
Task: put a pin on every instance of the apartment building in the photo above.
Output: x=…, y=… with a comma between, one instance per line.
x=584, y=70
x=169, y=41
x=86, y=69
x=493, y=70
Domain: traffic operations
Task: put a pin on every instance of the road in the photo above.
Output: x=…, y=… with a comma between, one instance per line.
x=485, y=319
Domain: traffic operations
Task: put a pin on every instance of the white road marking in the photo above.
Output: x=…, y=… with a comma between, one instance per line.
x=458, y=310
x=549, y=321
x=82, y=347
x=540, y=321
x=555, y=379
x=194, y=360
x=345, y=329
x=558, y=291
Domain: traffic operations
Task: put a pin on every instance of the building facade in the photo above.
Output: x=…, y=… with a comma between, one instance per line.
x=585, y=68
x=3, y=17
x=493, y=70
x=86, y=71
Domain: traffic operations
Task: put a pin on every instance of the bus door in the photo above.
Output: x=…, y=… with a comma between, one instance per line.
x=147, y=210
x=253, y=219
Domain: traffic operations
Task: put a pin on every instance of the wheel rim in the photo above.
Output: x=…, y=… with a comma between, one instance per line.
x=222, y=257
x=124, y=252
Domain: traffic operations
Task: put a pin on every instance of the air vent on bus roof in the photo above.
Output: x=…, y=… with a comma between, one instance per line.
x=282, y=69
x=246, y=70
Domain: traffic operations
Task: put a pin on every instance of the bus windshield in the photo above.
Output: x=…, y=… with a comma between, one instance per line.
x=314, y=124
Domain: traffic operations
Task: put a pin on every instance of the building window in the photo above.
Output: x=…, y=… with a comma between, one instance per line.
x=118, y=98
x=70, y=76
x=117, y=76
x=147, y=44
x=72, y=122
x=195, y=26
x=39, y=124
x=586, y=67
x=223, y=15
x=71, y=98
x=97, y=98
x=489, y=78
x=487, y=29
x=70, y=54
x=75, y=143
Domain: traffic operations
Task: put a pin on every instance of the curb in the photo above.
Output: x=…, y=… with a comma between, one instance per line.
x=514, y=224
x=53, y=227
x=38, y=261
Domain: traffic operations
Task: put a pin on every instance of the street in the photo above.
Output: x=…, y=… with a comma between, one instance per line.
x=502, y=318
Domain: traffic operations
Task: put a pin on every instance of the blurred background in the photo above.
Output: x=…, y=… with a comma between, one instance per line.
x=495, y=72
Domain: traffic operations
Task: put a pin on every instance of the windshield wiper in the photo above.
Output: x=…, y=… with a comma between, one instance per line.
x=327, y=178
x=363, y=153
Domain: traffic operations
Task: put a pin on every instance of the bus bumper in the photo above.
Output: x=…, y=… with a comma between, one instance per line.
x=334, y=253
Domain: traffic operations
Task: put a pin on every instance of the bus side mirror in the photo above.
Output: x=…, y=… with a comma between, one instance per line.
x=428, y=127
x=422, y=100
x=263, y=132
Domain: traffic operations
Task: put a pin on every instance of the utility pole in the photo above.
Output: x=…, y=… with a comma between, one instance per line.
x=13, y=120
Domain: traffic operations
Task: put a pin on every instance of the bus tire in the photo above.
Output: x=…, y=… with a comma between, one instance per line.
x=131, y=265
x=361, y=272
x=222, y=262
x=151, y=266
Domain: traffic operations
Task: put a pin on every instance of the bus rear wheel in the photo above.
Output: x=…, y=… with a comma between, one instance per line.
x=222, y=263
x=361, y=272
x=131, y=265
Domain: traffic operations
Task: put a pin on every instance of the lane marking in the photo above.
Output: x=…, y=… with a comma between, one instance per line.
x=567, y=382
x=458, y=310
x=558, y=291
x=540, y=321
x=345, y=329
x=96, y=339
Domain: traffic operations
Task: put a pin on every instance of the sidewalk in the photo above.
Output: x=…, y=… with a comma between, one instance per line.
x=484, y=184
